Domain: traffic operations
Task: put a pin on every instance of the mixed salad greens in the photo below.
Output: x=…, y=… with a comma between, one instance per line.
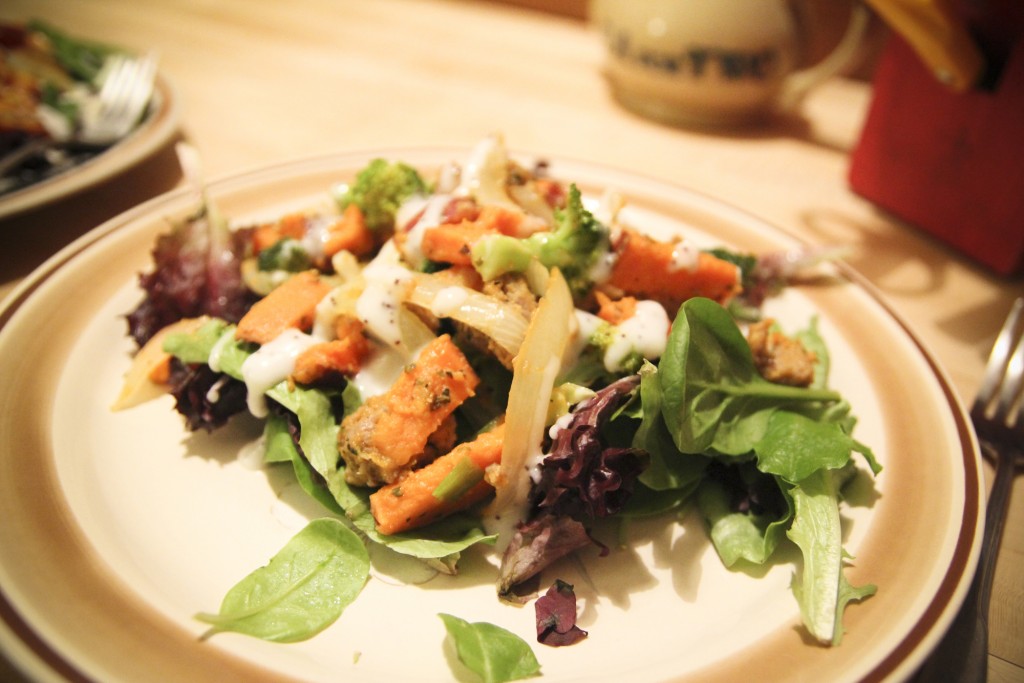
x=482, y=360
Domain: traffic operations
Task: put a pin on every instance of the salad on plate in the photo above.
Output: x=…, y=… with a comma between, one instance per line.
x=49, y=99
x=479, y=359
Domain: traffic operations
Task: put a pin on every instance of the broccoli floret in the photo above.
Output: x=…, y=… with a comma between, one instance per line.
x=574, y=246
x=591, y=366
x=286, y=254
x=380, y=188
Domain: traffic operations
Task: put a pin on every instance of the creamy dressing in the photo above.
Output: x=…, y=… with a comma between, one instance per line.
x=562, y=423
x=448, y=300
x=685, y=257
x=316, y=235
x=645, y=332
x=218, y=349
x=380, y=372
x=213, y=393
x=408, y=211
x=325, y=315
x=271, y=364
x=379, y=304
x=433, y=213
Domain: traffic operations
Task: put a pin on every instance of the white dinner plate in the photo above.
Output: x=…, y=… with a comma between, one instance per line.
x=117, y=528
x=159, y=126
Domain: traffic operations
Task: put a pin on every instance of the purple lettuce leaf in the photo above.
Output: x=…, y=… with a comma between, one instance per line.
x=582, y=477
x=581, y=480
x=535, y=545
x=196, y=271
x=206, y=399
x=556, y=616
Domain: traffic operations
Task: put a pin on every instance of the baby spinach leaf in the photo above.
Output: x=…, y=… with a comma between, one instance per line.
x=281, y=448
x=491, y=652
x=713, y=396
x=318, y=428
x=302, y=590
x=668, y=469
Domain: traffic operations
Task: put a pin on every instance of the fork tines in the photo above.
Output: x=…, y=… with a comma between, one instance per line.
x=998, y=406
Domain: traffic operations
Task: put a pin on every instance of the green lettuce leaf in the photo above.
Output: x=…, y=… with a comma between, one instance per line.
x=280, y=447
x=821, y=589
x=713, y=396
x=736, y=536
x=302, y=590
x=441, y=541
x=669, y=469
x=491, y=652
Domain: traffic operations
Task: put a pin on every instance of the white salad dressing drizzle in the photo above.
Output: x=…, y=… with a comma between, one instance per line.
x=218, y=349
x=646, y=332
x=433, y=213
x=270, y=364
x=601, y=270
x=213, y=393
x=325, y=315
x=684, y=257
x=380, y=301
x=448, y=300
x=410, y=210
x=316, y=235
x=559, y=424
x=379, y=372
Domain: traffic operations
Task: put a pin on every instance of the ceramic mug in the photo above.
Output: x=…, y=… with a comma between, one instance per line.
x=713, y=62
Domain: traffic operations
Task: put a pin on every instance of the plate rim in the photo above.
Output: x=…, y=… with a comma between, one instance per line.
x=903, y=658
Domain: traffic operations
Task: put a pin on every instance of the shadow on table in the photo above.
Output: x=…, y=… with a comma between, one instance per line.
x=29, y=238
x=904, y=261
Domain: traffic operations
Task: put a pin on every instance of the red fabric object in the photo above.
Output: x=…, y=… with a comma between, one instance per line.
x=950, y=164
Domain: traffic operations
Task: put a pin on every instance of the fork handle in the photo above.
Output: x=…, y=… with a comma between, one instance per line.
x=15, y=157
x=962, y=654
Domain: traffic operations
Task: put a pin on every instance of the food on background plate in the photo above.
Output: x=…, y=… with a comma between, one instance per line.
x=49, y=83
x=478, y=358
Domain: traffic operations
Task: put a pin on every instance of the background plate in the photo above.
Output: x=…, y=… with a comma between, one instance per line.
x=159, y=126
x=116, y=528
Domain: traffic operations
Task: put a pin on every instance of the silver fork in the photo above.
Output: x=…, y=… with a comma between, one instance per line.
x=123, y=97
x=998, y=417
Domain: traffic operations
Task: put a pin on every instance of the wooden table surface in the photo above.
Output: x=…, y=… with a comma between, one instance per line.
x=259, y=82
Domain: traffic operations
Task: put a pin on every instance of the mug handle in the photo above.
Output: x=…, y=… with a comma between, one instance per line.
x=799, y=83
